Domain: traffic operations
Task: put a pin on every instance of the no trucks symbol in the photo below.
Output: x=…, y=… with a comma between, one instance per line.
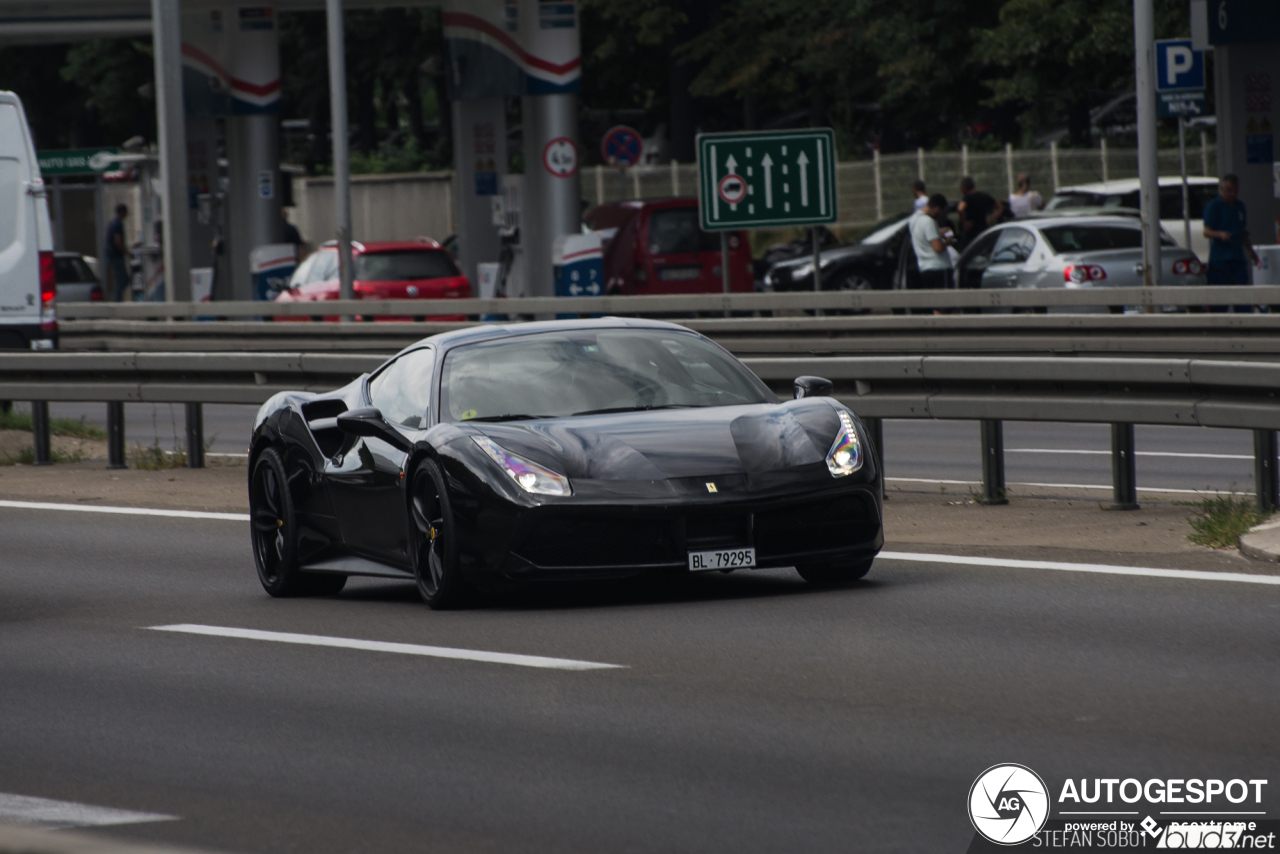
x=732, y=188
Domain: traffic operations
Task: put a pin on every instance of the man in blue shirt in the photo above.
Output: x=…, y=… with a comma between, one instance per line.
x=117, y=255
x=1226, y=224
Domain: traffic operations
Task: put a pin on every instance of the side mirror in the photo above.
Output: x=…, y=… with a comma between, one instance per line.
x=369, y=422
x=812, y=387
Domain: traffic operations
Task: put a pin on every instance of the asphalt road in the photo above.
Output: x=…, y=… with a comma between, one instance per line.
x=1177, y=458
x=752, y=712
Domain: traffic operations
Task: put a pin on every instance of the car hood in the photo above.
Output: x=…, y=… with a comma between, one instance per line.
x=829, y=256
x=676, y=443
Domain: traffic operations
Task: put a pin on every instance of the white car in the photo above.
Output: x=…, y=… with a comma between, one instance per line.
x=1124, y=194
x=28, y=289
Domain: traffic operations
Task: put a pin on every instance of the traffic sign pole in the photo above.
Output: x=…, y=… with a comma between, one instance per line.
x=1182, y=163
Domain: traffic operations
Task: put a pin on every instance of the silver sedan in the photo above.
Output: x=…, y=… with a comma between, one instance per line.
x=1070, y=252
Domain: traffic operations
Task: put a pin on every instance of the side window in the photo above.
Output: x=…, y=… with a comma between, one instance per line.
x=976, y=259
x=402, y=390
x=1013, y=246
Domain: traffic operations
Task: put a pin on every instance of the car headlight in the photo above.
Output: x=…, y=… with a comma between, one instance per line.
x=530, y=476
x=845, y=456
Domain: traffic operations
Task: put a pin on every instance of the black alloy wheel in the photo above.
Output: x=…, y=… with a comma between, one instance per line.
x=274, y=532
x=834, y=573
x=435, y=548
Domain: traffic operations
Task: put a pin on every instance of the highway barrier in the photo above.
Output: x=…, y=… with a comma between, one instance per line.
x=992, y=298
x=1233, y=335
x=989, y=389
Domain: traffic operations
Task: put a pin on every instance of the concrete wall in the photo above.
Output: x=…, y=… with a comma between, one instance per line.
x=383, y=207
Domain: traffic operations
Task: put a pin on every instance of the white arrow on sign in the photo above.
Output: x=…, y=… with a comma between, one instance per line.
x=803, y=162
x=767, y=163
x=732, y=166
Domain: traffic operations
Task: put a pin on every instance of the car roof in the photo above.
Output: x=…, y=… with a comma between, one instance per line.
x=1128, y=185
x=496, y=331
x=367, y=246
x=1055, y=221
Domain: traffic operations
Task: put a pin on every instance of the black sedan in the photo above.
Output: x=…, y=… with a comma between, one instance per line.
x=866, y=265
x=567, y=449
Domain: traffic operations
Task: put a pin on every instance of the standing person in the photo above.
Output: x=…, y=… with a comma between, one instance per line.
x=1226, y=224
x=289, y=232
x=978, y=210
x=1025, y=200
x=117, y=255
x=922, y=195
x=930, y=244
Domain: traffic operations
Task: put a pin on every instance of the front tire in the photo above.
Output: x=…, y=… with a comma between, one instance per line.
x=274, y=534
x=435, y=552
x=834, y=573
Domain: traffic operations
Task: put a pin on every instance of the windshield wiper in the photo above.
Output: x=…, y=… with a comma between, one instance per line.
x=516, y=416
x=634, y=409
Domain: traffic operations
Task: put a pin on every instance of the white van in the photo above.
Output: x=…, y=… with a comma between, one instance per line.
x=28, y=285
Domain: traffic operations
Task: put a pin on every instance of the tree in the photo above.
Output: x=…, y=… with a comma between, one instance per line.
x=1060, y=58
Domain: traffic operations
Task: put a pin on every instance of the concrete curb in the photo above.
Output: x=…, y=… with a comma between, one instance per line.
x=15, y=839
x=1262, y=542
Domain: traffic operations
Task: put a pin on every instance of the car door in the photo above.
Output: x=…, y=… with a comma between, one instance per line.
x=366, y=483
x=973, y=263
x=1009, y=256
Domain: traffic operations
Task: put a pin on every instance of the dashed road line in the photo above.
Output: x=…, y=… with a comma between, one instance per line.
x=126, y=511
x=57, y=815
x=1107, y=569
x=384, y=646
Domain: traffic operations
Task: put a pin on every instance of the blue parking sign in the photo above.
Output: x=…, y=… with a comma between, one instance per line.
x=1178, y=66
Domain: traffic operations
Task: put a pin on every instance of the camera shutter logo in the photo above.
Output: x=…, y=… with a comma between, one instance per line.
x=1008, y=804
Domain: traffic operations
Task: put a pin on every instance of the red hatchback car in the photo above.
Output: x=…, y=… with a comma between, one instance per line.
x=408, y=269
x=656, y=247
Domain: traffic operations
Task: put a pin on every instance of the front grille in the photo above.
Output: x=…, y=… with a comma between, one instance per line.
x=814, y=526
x=705, y=531
x=598, y=542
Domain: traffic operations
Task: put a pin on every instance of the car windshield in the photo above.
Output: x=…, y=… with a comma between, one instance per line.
x=577, y=372
x=884, y=232
x=69, y=270
x=1073, y=200
x=1091, y=238
x=399, y=266
x=673, y=230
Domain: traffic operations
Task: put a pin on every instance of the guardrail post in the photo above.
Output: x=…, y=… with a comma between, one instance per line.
x=115, y=435
x=1124, y=474
x=40, y=432
x=1266, y=483
x=993, y=491
x=195, y=435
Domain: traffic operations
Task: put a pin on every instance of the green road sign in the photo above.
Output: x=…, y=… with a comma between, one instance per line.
x=78, y=161
x=766, y=179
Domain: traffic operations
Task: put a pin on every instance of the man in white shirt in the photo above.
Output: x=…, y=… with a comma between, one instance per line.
x=930, y=244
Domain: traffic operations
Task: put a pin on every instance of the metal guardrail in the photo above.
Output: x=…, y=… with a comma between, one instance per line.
x=1149, y=334
x=1119, y=391
x=647, y=305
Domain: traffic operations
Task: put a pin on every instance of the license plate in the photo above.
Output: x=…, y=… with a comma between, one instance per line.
x=726, y=559
x=679, y=274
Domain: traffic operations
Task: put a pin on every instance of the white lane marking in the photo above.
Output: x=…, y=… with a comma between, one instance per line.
x=126, y=511
x=1104, y=487
x=383, y=646
x=246, y=456
x=53, y=815
x=1138, y=453
x=1192, y=574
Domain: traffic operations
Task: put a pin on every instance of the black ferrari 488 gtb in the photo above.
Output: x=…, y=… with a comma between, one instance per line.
x=566, y=449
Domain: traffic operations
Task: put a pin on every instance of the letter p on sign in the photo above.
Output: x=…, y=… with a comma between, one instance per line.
x=1179, y=66
x=1180, y=61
